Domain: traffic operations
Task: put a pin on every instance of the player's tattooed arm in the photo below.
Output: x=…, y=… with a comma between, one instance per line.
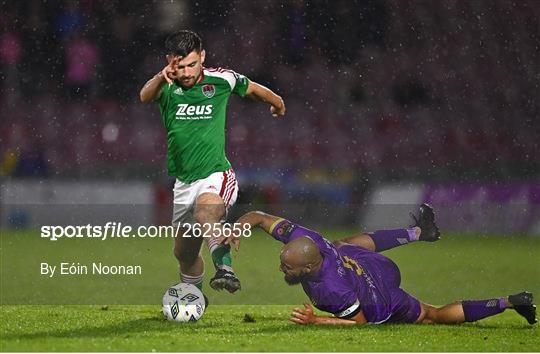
x=259, y=219
x=306, y=316
x=261, y=93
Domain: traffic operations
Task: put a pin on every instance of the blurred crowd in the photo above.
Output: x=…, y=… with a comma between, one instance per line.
x=393, y=89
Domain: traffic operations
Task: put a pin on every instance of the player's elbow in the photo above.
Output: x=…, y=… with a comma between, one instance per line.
x=255, y=90
x=147, y=94
x=144, y=97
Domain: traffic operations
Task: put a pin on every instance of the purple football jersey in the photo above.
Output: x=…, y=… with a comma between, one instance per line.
x=353, y=279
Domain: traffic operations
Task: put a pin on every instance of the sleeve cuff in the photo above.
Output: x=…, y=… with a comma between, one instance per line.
x=351, y=311
x=275, y=224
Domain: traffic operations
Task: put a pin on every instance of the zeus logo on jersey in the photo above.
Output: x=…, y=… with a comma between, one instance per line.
x=187, y=112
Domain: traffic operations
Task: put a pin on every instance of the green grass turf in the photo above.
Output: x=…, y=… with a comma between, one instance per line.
x=141, y=328
x=457, y=267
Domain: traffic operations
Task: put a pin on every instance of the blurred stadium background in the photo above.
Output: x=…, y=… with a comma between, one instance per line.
x=389, y=103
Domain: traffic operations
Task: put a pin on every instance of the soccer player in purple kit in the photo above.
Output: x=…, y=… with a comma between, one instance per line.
x=352, y=280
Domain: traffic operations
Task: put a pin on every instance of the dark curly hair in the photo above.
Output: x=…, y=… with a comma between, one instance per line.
x=183, y=42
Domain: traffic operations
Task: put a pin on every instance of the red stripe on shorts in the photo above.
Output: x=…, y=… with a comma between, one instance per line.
x=231, y=186
x=223, y=184
x=228, y=186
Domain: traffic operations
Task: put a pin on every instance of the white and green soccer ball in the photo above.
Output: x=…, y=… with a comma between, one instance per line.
x=183, y=303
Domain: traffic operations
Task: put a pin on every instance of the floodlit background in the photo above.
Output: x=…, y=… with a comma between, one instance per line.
x=388, y=103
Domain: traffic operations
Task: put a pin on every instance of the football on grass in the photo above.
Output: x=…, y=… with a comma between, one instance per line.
x=183, y=303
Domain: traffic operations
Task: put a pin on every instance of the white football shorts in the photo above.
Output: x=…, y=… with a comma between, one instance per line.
x=185, y=194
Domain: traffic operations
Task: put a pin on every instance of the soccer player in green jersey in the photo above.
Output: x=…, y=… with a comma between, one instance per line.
x=193, y=101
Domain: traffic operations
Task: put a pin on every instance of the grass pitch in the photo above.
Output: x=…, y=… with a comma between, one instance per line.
x=457, y=267
x=223, y=328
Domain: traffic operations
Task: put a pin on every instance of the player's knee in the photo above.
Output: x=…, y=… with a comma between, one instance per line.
x=208, y=214
x=201, y=215
x=209, y=208
x=428, y=314
x=432, y=315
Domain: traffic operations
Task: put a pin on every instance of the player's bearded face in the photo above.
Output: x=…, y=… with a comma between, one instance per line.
x=190, y=68
x=292, y=276
x=293, y=279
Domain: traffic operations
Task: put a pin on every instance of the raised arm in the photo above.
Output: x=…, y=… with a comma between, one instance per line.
x=261, y=93
x=151, y=90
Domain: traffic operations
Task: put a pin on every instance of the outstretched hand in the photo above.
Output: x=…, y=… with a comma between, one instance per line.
x=303, y=316
x=232, y=241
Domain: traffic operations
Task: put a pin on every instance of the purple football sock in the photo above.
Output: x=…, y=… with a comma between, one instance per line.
x=475, y=310
x=386, y=239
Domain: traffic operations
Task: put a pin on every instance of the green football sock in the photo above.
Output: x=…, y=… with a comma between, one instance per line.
x=221, y=256
x=195, y=280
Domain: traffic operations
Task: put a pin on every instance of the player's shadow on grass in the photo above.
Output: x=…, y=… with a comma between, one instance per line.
x=124, y=329
x=391, y=328
x=493, y=326
x=265, y=325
